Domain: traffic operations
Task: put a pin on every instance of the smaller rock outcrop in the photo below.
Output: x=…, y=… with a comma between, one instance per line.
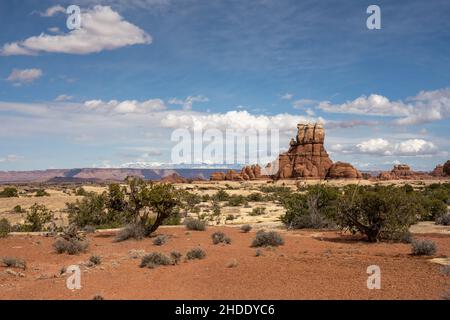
x=438, y=171
x=402, y=172
x=446, y=168
x=174, y=178
x=217, y=176
x=343, y=170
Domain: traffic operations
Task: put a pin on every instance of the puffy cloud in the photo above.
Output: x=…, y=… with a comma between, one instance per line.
x=189, y=101
x=101, y=29
x=375, y=105
x=410, y=147
x=24, y=76
x=427, y=106
x=238, y=120
x=126, y=106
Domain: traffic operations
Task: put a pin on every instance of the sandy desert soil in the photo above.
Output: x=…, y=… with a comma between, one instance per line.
x=311, y=265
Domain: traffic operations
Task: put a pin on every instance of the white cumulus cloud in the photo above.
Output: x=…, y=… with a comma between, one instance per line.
x=189, y=101
x=101, y=29
x=410, y=147
x=126, y=106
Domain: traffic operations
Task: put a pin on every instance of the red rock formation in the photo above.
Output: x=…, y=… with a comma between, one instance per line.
x=340, y=170
x=446, y=168
x=438, y=171
x=403, y=172
x=217, y=176
x=174, y=178
x=306, y=157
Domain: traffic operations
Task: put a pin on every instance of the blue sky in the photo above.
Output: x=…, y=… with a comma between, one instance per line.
x=111, y=93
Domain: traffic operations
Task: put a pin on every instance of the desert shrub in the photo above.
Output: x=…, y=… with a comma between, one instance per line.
x=5, y=228
x=220, y=237
x=255, y=197
x=206, y=198
x=377, y=212
x=9, y=192
x=423, y=247
x=71, y=246
x=246, y=228
x=443, y=220
x=195, y=224
x=95, y=260
x=91, y=210
x=155, y=259
x=220, y=195
x=41, y=193
x=12, y=262
x=433, y=208
x=264, y=239
x=18, y=209
x=71, y=241
x=36, y=218
x=315, y=208
x=196, y=253
x=445, y=270
x=160, y=240
x=131, y=231
x=216, y=208
x=175, y=256
x=258, y=211
x=81, y=192
x=230, y=217
x=236, y=201
x=188, y=201
x=98, y=297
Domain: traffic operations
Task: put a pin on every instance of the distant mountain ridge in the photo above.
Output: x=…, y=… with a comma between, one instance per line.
x=100, y=174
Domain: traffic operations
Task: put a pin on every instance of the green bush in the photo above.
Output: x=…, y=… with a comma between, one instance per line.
x=255, y=197
x=423, y=248
x=160, y=240
x=71, y=241
x=377, y=212
x=12, y=262
x=220, y=237
x=81, y=192
x=264, y=239
x=5, y=228
x=18, y=209
x=314, y=208
x=236, y=201
x=246, y=228
x=175, y=256
x=41, y=193
x=155, y=259
x=258, y=211
x=196, y=253
x=220, y=195
x=194, y=224
x=36, y=218
x=9, y=192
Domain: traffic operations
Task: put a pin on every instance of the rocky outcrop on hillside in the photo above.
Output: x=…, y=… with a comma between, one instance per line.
x=174, y=178
x=446, y=168
x=438, y=171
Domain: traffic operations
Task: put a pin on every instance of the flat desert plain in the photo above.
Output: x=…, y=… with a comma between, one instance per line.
x=312, y=264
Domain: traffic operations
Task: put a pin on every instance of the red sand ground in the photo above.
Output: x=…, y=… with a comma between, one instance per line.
x=311, y=265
